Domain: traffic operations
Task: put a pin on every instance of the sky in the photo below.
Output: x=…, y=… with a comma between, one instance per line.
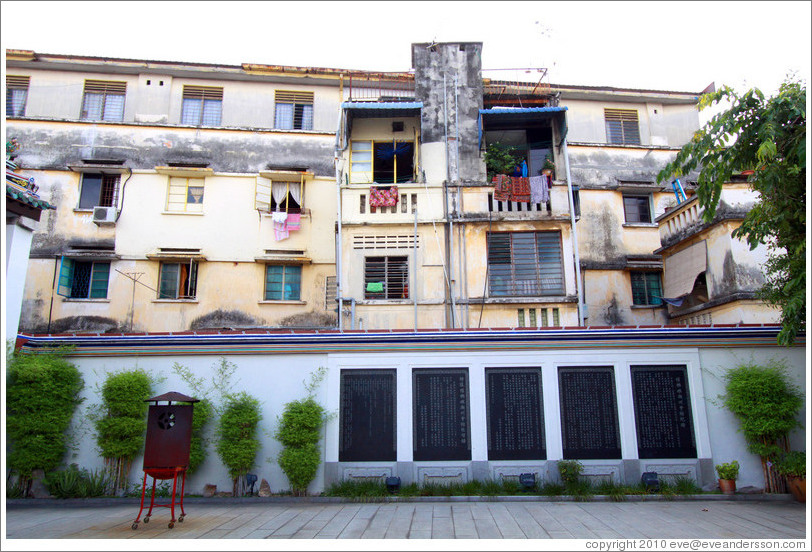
x=678, y=46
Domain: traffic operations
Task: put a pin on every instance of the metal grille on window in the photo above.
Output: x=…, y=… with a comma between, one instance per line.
x=16, y=95
x=104, y=100
x=202, y=105
x=89, y=280
x=622, y=126
x=386, y=278
x=294, y=110
x=525, y=264
x=646, y=288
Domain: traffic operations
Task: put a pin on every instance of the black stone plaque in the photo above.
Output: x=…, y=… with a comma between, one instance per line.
x=515, y=414
x=662, y=412
x=367, y=416
x=440, y=410
x=589, y=420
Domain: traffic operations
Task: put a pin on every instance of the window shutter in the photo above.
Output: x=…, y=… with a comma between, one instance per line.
x=14, y=81
x=262, y=199
x=289, y=96
x=65, y=282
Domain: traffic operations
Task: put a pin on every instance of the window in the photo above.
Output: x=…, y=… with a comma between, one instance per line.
x=185, y=195
x=622, y=126
x=637, y=208
x=294, y=110
x=646, y=288
x=279, y=196
x=83, y=279
x=386, y=278
x=99, y=190
x=104, y=100
x=178, y=280
x=283, y=283
x=16, y=95
x=386, y=162
x=525, y=264
x=202, y=106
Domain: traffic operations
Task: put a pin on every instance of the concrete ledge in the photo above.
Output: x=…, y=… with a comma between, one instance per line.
x=136, y=502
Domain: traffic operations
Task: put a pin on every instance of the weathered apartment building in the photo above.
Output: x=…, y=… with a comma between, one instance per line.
x=193, y=196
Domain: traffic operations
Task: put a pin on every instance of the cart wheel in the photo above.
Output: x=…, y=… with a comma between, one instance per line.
x=146, y=519
x=135, y=526
x=180, y=519
x=171, y=524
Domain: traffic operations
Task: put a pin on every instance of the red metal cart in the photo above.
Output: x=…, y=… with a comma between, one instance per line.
x=166, y=450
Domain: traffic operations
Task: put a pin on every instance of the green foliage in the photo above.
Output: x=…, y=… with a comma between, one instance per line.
x=792, y=464
x=75, y=483
x=501, y=159
x=299, y=432
x=120, y=428
x=570, y=471
x=42, y=393
x=237, y=444
x=163, y=489
x=685, y=486
x=766, y=404
x=769, y=137
x=728, y=470
x=203, y=411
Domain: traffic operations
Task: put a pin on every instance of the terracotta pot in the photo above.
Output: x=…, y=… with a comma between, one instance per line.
x=727, y=486
x=797, y=486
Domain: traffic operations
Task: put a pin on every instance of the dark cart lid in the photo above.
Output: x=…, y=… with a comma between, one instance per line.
x=173, y=396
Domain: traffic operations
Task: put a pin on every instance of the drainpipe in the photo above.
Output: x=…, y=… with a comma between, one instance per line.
x=339, y=298
x=414, y=270
x=446, y=210
x=574, y=235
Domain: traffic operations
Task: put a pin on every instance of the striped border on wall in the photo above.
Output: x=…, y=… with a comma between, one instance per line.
x=403, y=341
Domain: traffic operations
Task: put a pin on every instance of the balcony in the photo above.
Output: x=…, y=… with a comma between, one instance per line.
x=380, y=87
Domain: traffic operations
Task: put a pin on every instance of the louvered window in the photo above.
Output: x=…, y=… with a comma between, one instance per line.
x=386, y=278
x=104, y=100
x=637, y=208
x=622, y=126
x=525, y=264
x=646, y=288
x=294, y=110
x=202, y=106
x=99, y=190
x=283, y=283
x=16, y=95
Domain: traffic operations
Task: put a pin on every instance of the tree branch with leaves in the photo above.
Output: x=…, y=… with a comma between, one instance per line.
x=766, y=136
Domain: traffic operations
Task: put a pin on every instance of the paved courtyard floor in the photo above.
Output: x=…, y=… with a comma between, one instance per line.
x=689, y=519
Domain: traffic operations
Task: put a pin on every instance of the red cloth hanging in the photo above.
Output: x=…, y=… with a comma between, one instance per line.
x=501, y=187
x=520, y=189
x=383, y=197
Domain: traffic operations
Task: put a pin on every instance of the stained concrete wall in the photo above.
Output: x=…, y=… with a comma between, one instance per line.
x=448, y=80
x=246, y=103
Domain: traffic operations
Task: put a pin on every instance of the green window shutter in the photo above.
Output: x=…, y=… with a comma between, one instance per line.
x=293, y=283
x=274, y=279
x=98, y=281
x=65, y=282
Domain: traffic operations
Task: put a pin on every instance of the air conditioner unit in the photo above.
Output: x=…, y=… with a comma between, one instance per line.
x=104, y=216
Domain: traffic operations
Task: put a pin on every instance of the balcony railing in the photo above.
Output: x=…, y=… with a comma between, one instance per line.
x=380, y=87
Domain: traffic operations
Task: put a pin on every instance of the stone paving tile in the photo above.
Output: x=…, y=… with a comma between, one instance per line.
x=442, y=526
x=302, y=517
x=504, y=521
x=527, y=523
x=401, y=522
x=339, y=521
x=464, y=526
x=379, y=523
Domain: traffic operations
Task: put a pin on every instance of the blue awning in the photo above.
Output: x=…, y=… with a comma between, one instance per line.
x=382, y=109
x=497, y=115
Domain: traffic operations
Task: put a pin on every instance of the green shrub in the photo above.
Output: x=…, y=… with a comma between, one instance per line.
x=42, y=393
x=570, y=471
x=75, y=483
x=299, y=432
x=792, y=464
x=766, y=404
x=686, y=486
x=551, y=489
x=122, y=422
x=501, y=159
x=728, y=470
x=237, y=444
x=197, y=454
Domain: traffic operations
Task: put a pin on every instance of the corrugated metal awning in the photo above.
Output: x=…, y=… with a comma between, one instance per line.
x=382, y=109
x=495, y=116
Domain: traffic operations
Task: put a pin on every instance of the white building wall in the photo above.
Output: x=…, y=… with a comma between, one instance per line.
x=19, y=233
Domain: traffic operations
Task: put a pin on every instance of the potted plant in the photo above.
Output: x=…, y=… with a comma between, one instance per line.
x=728, y=473
x=548, y=168
x=501, y=159
x=792, y=465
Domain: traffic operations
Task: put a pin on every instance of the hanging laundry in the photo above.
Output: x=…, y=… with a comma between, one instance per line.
x=293, y=221
x=375, y=287
x=383, y=197
x=539, y=189
x=520, y=189
x=501, y=187
x=280, y=229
